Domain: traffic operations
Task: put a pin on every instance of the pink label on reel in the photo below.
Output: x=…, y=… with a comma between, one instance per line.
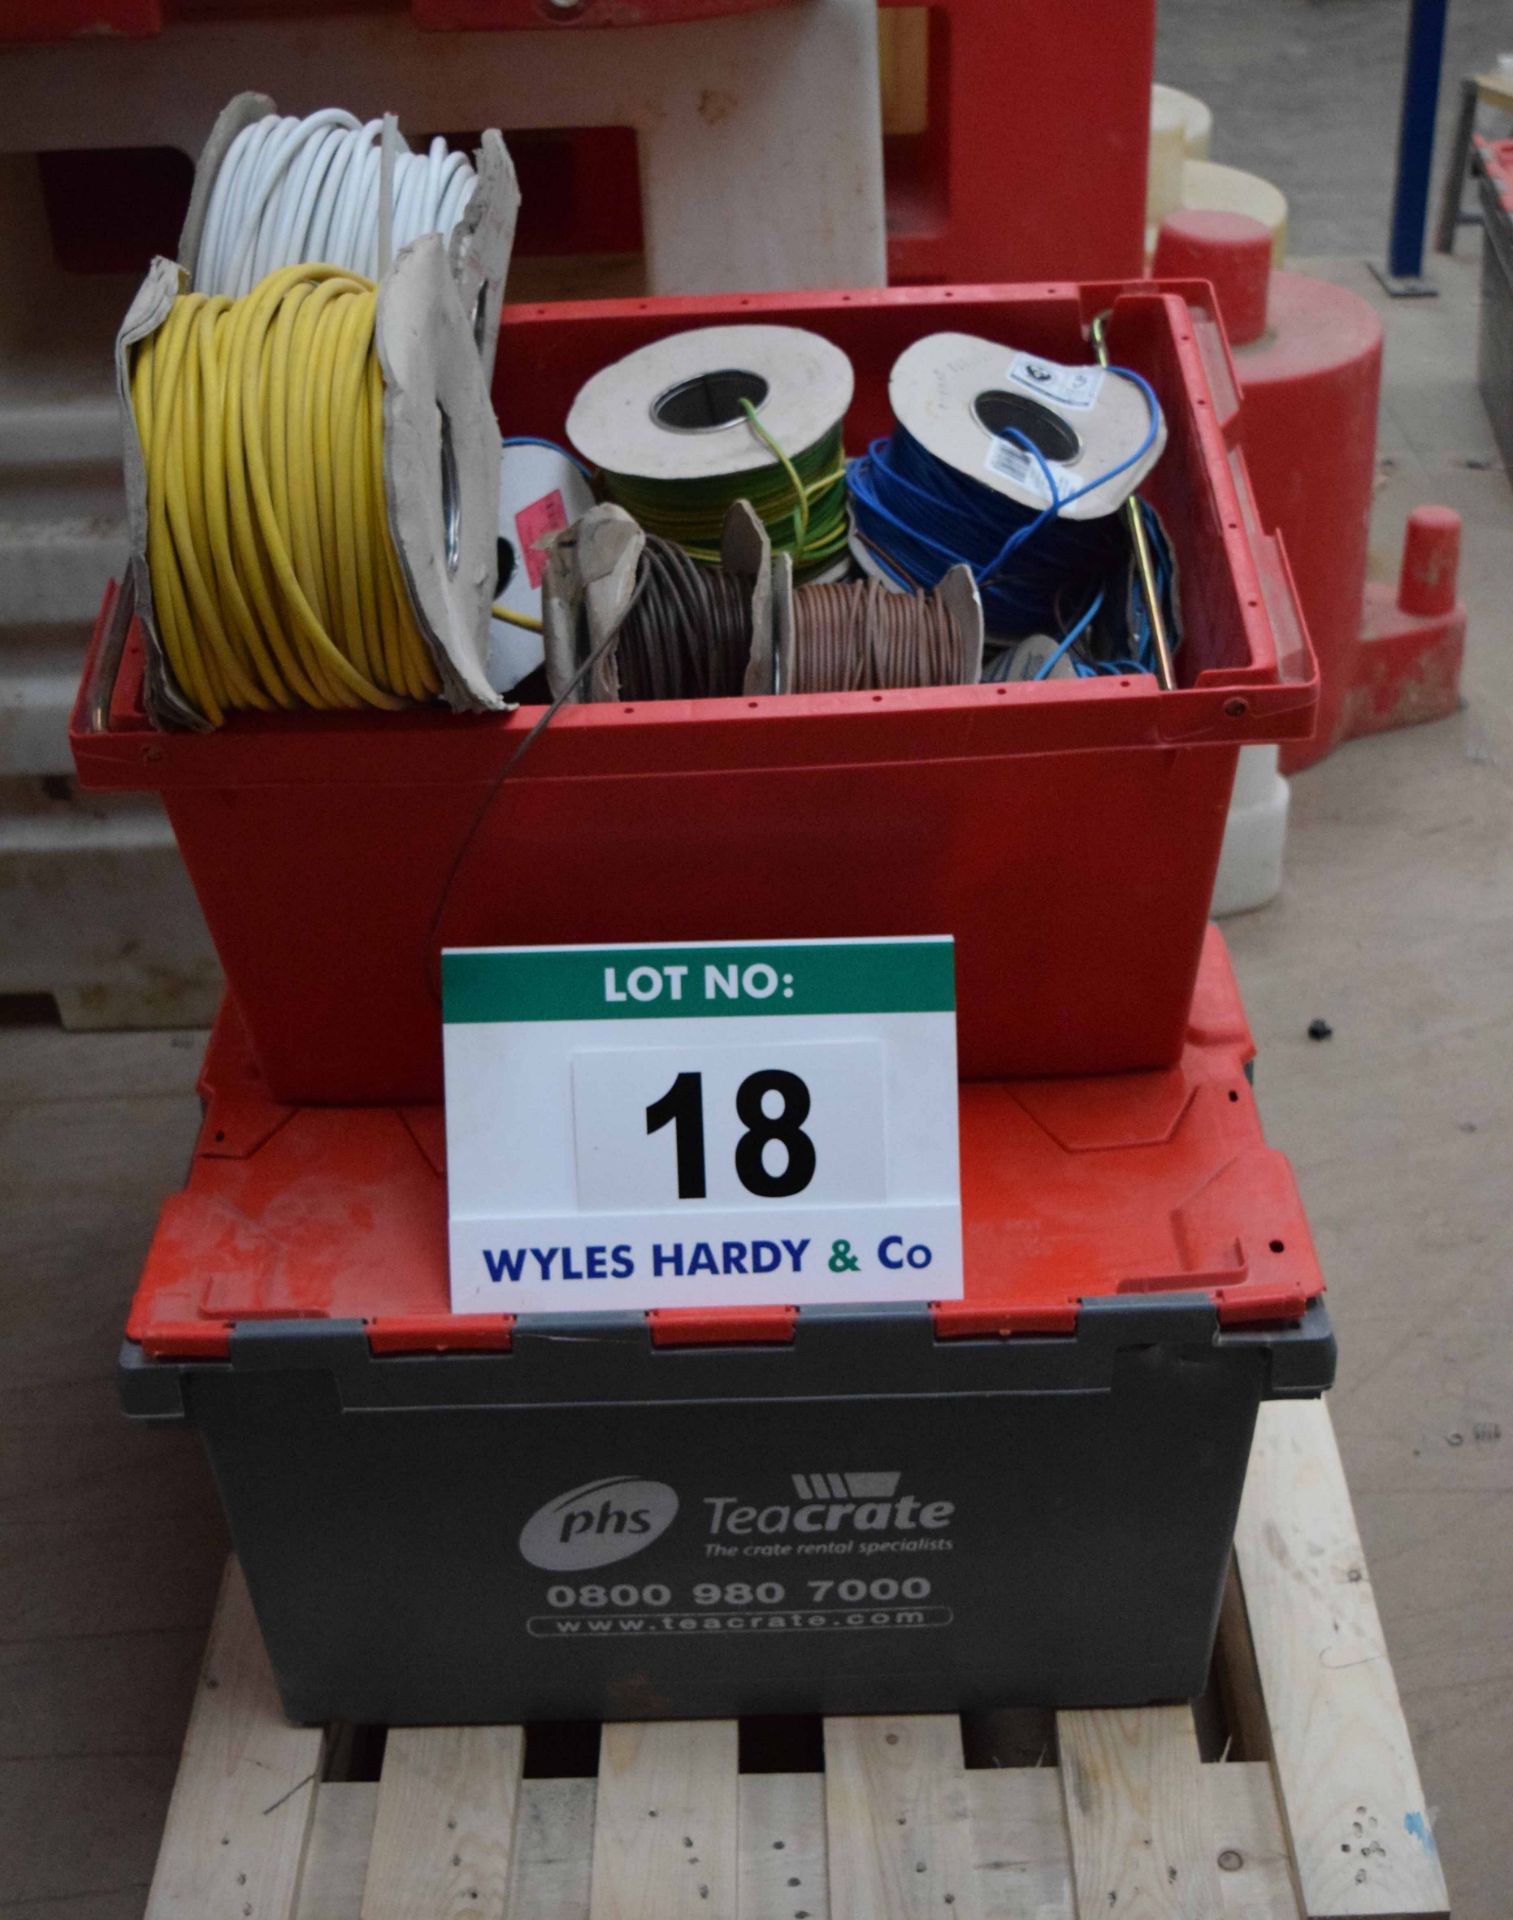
x=532, y=524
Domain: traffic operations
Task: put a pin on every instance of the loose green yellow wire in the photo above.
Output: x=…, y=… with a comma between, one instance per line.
x=502, y=612
x=801, y=500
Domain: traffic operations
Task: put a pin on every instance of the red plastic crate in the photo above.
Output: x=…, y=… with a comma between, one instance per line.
x=1071, y=1189
x=1066, y=833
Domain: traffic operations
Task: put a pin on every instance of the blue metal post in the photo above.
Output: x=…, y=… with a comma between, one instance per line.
x=1415, y=137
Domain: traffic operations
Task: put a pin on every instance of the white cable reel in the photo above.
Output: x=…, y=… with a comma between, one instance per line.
x=292, y=190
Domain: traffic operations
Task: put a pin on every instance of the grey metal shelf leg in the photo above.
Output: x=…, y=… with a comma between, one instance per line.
x=1455, y=173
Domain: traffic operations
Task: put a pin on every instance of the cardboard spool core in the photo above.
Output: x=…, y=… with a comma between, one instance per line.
x=998, y=411
x=707, y=401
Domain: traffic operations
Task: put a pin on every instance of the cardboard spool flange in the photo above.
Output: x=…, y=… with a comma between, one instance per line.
x=668, y=411
x=954, y=392
x=441, y=471
x=441, y=464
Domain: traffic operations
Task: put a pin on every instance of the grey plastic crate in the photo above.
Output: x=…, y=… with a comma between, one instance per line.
x=868, y=1519
x=1494, y=340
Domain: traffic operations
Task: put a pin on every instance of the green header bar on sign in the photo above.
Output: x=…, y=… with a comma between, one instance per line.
x=697, y=982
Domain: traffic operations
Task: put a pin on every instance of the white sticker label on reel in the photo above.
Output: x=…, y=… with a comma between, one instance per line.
x=1013, y=462
x=1067, y=386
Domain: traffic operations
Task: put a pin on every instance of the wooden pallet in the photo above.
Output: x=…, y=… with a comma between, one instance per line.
x=1307, y=1804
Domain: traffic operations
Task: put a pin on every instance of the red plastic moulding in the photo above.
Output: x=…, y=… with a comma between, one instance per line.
x=1132, y=1183
x=1308, y=358
x=1002, y=179
x=501, y=14
x=1007, y=177
x=79, y=19
x=1063, y=193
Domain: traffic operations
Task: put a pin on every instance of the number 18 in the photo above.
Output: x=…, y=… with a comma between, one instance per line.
x=683, y=1106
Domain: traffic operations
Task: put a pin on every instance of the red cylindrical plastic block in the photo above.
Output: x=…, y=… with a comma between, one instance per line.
x=1229, y=250
x=1431, y=561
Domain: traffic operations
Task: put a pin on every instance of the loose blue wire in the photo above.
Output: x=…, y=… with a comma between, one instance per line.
x=1072, y=636
x=534, y=440
x=1141, y=658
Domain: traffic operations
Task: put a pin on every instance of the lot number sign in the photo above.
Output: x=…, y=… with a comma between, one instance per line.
x=696, y=1126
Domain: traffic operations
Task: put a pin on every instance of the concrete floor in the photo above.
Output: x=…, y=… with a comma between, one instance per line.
x=1396, y=925
x=1306, y=92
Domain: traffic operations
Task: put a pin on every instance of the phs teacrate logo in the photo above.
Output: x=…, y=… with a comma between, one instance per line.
x=611, y=1519
x=593, y=1525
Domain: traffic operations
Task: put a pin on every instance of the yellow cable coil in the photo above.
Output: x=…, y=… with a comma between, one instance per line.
x=274, y=574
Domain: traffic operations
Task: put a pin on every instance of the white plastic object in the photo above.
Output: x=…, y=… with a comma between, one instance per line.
x=1255, y=835
x=1195, y=115
x=760, y=134
x=541, y=492
x=1168, y=152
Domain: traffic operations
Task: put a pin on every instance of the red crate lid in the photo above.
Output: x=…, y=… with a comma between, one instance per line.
x=1071, y=1189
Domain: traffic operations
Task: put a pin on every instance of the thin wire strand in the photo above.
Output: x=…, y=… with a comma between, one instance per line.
x=687, y=634
x=432, y=955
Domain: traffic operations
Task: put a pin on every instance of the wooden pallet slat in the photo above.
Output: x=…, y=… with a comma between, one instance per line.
x=1021, y=1860
x=1350, y=1788
x=1132, y=1785
x=336, y=1860
x=555, y=1850
x=1250, y=1846
x=1020, y=1854
x=784, y=1871
x=898, y=1819
x=239, y=1820
x=445, y=1826
x=1124, y=1821
x=666, y=1827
